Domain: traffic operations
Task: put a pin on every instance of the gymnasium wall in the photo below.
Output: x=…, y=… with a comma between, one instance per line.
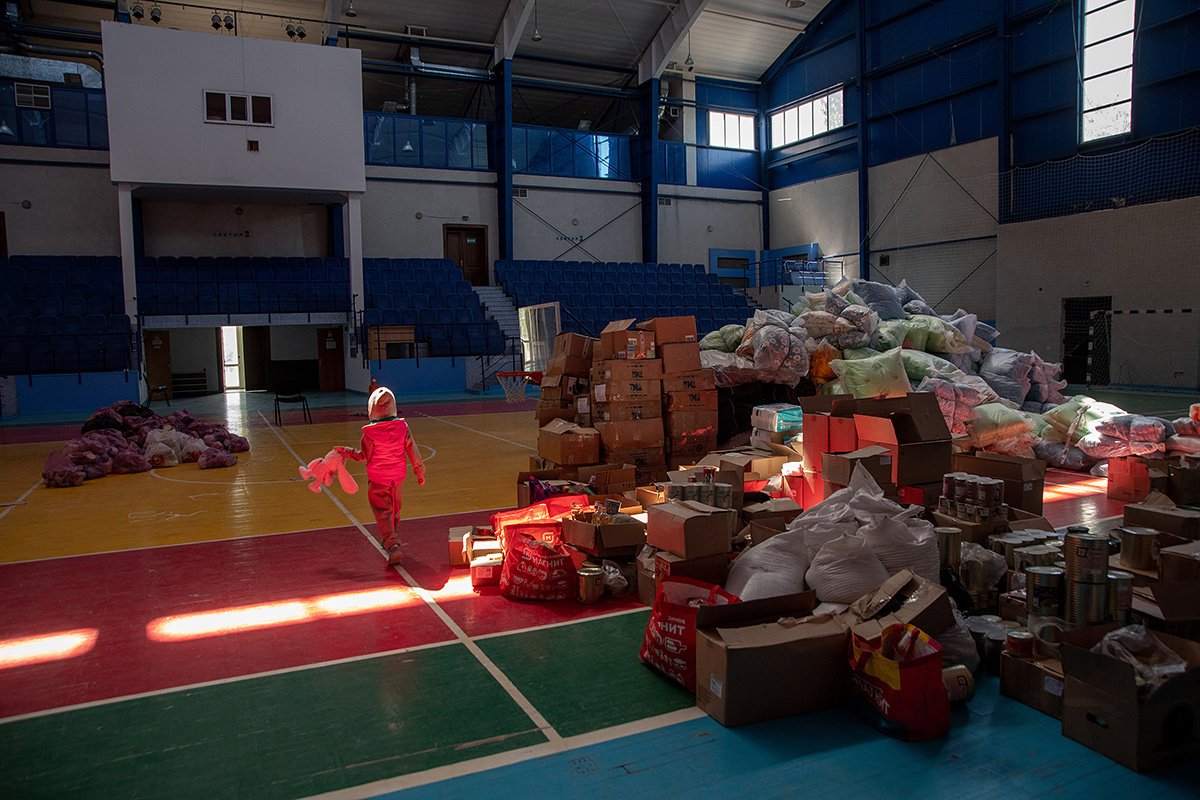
x=823, y=211
x=1144, y=257
x=216, y=229
x=683, y=227
x=577, y=220
x=293, y=343
x=73, y=208
x=155, y=84
x=394, y=197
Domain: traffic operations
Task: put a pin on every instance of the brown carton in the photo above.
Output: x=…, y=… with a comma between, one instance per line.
x=761, y=530
x=695, y=400
x=625, y=539
x=1184, y=483
x=671, y=329
x=627, y=411
x=904, y=598
x=618, y=391
x=646, y=584
x=612, y=478
x=1024, y=478
x=566, y=443
x=631, y=434
x=549, y=410
x=914, y=429
x=679, y=357
x=1180, y=563
x=779, y=510
x=646, y=461
x=457, y=543
x=710, y=569
x=688, y=431
x=564, y=388
x=1038, y=683
x=644, y=369
x=690, y=529
x=838, y=467
x=1160, y=513
x=753, y=463
x=703, y=380
x=1104, y=708
x=977, y=532
x=573, y=344
x=828, y=427
x=1169, y=607
x=485, y=570
x=620, y=339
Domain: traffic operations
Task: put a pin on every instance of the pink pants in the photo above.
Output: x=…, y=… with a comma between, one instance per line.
x=385, y=505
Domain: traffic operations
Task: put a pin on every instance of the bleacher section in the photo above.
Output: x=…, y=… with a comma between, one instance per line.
x=185, y=285
x=432, y=296
x=63, y=314
x=591, y=294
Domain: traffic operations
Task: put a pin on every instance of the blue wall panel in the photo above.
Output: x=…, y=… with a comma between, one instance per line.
x=45, y=394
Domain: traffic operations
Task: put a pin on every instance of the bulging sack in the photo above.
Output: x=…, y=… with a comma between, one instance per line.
x=845, y=569
x=772, y=568
x=536, y=570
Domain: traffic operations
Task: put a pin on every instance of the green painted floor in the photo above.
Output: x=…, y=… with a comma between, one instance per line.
x=587, y=676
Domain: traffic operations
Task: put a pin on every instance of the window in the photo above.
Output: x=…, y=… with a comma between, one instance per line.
x=237, y=109
x=731, y=130
x=1106, y=99
x=812, y=117
x=31, y=95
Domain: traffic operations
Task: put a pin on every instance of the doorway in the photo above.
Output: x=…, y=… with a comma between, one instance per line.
x=157, y=347
x=232, y=376
x=466, y=246
x=331, y=363
x=1077, y=326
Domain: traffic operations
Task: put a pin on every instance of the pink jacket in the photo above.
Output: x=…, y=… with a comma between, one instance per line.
x=387, y=446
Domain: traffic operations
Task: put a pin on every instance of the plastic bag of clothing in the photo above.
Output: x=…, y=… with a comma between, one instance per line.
x=957, y=402
x=979, y=568
x=1186, y=426
x=920, y=366
x=770, y=569
x=819, y=324
x=818, y=533
x=213, y=457
x=726, y=338
x=1183, y=445
x=1007, y=371
x=1135, y=428
x=845, y=569
x=907, y=294
x=1016, y=446
x=862, y=318
x=881, y=298
x=994, y=423
x=833, y=387
x=161, y=455
x=904, y=544
x=1063, y=455
x=964, y=323
x=882, y=375
x=729, y=369
x=919, y=308
x=103, y=418
x=820, y=356
x=59, y=473
x=903, y=333
x=1152, y=661
x=1079, y=416
x=128, y=462
x=986, y=332
x=762, y=318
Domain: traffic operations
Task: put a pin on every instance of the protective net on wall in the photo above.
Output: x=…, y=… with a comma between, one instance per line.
x=1133, y=347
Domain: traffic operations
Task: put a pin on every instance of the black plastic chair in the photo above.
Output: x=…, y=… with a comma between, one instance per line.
x=291, y=398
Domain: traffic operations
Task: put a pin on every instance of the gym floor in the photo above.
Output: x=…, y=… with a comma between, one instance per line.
x=227, y=633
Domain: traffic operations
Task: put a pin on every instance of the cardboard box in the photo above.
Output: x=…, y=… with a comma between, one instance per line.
x=703, y=380
x=479, y=545
x=690, y=529
x=613, y=478
x=1103, y=709
x=1024, y=478
x=759, y=530
x=1017, y=520
x=566, y=443
x=550, y=410
x=627, y=411
x=645, y=369
x=571, y=355
x=691, y=425
x=631, y=434
x=735, y=478
x=647, y=586
x=1183, y=483
x=914, y=429
x=694, y=400
x=778, y=418
x=782, y=510
x=671, y=329
x=485, y=570
x=1180, y=563
x=710, y=569
x=1132, y=479
x=1038, y=683
x=620, y=339
x=1169, y=607
x=456, y=545
x=808, y=487
x=651, y=495
x=838, y=467
x=765, y=660
x=926, y=494
x=604, y=541
x=564, y=388
x=646, y=460
x=1160, y=513
x=904, y=598
x=618, y=391
x=753, y=463
x=679, y=357
x=828, y=427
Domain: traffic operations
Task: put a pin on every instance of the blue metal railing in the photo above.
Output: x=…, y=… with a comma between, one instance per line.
x=573, y=154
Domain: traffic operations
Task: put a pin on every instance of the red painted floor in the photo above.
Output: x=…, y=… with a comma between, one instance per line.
x=486, y=611
x=306, y=597
x=1075, y=498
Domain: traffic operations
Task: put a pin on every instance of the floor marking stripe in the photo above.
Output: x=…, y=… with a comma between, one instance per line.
x=221, y=681
x=518, y=697
x=19, y=501
x=548, y=626
x=370, y=790
x=472, y=430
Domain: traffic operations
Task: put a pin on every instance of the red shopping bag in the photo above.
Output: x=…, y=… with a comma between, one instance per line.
x=536, y=570
x=549, y=510
x=670, y=642
x=897, y=683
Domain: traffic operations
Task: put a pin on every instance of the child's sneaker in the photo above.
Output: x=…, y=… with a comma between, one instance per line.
x=395, y=555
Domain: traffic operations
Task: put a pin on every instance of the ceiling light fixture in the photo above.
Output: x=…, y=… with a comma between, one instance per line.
x=408, y=148
x=300, y=32
x=136, y=11
x=537, y=35
x=290, y=30
x=228, y=22
x=216, y=21
x=794, y=3
x=350, y=12
x=155, y=14
x=5, y=130
x=688, y=62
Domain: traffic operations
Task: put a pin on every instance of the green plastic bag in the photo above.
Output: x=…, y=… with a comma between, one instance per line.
x=881, y=375
x=995, y=422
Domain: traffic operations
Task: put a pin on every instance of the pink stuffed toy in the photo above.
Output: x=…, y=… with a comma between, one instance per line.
x=322, y=471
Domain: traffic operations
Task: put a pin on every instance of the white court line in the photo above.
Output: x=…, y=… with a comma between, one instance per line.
x=523, y=702
x=423, y=415
x=369, y=790
x=19, y=501
x=220, y=681
x=621, y=613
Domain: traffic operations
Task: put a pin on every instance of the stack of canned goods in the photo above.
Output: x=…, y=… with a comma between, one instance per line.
x=972, y=498
x=719, y=495
x=1086, y=555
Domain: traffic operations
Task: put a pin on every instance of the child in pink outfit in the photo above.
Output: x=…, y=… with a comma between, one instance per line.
x=388, y=447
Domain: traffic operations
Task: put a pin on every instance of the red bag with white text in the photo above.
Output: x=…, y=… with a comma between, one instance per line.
x=536, y=570
x=670, y=642
x=549, y=510
x=896, y=683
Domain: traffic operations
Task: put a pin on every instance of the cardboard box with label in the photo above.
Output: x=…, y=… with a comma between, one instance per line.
x=1104, y=709
x=571, y=355
x=563, y=442
x=612, y=478
x=1038, y=683
x=876, y=460
x=690, y=529
x=914, y=429
x=620, y=339
x=695, y=400
x=679, y=357
x=828, y=427
x=605, y=541
x=698, y=380
x=778, y=418
x=647, y=461
x=617, y=391
x=752, y=463
x=485, y=570
x=691, y=427
x=779, y=510
x=564, y=388
x=710, y=569
x=646, y=369
x=631, y=435
x=626, y=411
x=1159, y=512
x=1024, y=478
x=457, y=545
x=668, y=330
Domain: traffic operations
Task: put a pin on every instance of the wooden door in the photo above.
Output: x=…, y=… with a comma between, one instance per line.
x=331, y=360
x=157, y=347
x=256, y=356
x=466, y=246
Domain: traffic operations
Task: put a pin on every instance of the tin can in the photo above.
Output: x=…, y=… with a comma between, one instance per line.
x=993, y=646
x=949, y=541
x=1019, y=643
x=1087, y=603
x=710, y=474
x=948, y=484
x=1086, y=556
x=706, y=493
x=591, y=584
x=960, y=683
x=944, y=505
x=1043, y=591
x=1137, y=547
x=960, y=487
x=723, y=495
x=972, y=490
x=1120, y=595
